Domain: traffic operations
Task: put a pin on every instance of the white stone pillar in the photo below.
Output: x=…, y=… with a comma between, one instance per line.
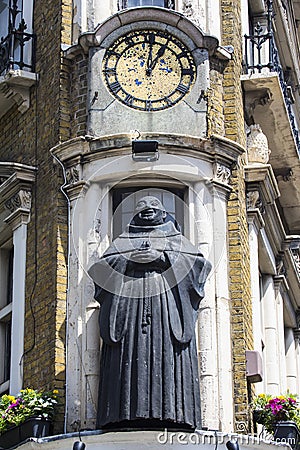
x=297, y=353
x=76, y=370
x=281, y=344
x=223, y=315
x=271, y=346
x=207, y=333
x=18, y=221
x=255, y=223
x=18, y=308
x=214, y=315
x=291, y=361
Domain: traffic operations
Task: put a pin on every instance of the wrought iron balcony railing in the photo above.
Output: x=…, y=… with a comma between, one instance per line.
x=261, y=54
x=17, y=49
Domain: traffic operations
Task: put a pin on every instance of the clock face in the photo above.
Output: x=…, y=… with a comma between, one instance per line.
x=149, y=70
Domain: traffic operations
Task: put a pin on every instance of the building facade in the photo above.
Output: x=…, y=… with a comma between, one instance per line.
x=194, y=101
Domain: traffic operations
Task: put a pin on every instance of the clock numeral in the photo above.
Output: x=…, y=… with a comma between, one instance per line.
x=182, y=55
x=150, y=38
x=129, y=99
x=113, y=53
x=168, y=101
x=182, y=88
x=148, y=105
x=115, y=87
x=188, y=72
x=129, y=40
x=110, y=70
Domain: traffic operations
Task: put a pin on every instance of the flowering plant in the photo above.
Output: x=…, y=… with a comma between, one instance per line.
x=28, y=403
x=270, y=410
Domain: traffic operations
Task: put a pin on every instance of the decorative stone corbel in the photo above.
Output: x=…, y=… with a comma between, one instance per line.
x=192, y=12
x=15, y=89
x=254, y=201
x=222, y=173
x=257, y=145
x=295, y=252
x=280, y=269
x=72, y=175
x=20, y=200
x=254, y=98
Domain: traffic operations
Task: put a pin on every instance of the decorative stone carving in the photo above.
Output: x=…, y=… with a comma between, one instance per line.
x=296, y=257
x=20, y=200
x=190, y=11
x=253, y=200
x=222, y=173
x=280, y=269
x=257, y=145
x=72, y=175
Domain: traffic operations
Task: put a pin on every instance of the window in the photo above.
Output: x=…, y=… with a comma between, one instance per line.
x=6, y=288
x=125, y=199
x=123, y=4
x=16, y=35
x=15, y=207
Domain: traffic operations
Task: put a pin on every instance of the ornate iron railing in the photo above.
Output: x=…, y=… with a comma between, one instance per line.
x=261, y=53
x=12, y=47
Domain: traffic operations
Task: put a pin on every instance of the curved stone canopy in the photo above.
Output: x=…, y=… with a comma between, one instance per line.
x=150, y=13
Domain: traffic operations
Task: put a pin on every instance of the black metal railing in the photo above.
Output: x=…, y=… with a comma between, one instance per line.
x=261, y=53
x=257, y=43
x=17, y=49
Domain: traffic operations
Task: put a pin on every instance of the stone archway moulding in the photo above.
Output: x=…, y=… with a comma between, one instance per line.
x=153, y=14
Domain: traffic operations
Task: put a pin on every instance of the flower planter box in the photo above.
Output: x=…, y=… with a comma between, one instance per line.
x=287, y=432
x=33, y=427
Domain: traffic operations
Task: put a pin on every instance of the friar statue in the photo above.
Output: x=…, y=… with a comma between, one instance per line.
x=149, y=284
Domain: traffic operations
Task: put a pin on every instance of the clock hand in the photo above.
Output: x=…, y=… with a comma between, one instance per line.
x=159, y=54
x=149, y=60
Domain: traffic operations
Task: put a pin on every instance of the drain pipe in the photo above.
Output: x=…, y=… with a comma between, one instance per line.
x=68, y=281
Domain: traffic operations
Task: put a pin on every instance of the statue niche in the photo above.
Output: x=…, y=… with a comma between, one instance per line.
x=149, y=284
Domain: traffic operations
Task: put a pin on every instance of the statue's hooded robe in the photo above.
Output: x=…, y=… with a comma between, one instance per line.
x=149, y=364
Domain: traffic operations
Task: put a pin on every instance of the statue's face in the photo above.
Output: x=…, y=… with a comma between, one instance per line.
x=149, y=211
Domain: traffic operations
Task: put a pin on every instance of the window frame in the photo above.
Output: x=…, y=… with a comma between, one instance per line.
x=6, y=292
x=15, y=208
x=123, y=4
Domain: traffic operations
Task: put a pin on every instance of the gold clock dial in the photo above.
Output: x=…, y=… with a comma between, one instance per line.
x=149, y=70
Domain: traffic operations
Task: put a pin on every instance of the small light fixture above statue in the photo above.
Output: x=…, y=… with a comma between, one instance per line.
x=145, y=151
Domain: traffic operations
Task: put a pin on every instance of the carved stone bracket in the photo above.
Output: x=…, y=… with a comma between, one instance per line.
x=254, y=201
x=257, y=145
x=15, y=89
x=255, y=98
x=72, y=175
x=222, y=173
x=20, y=200
x=295, y=252
x=76, y=190
x=193, y=12
x=280, y=269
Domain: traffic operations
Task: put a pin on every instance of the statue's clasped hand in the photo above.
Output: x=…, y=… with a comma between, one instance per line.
x=145, y=253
